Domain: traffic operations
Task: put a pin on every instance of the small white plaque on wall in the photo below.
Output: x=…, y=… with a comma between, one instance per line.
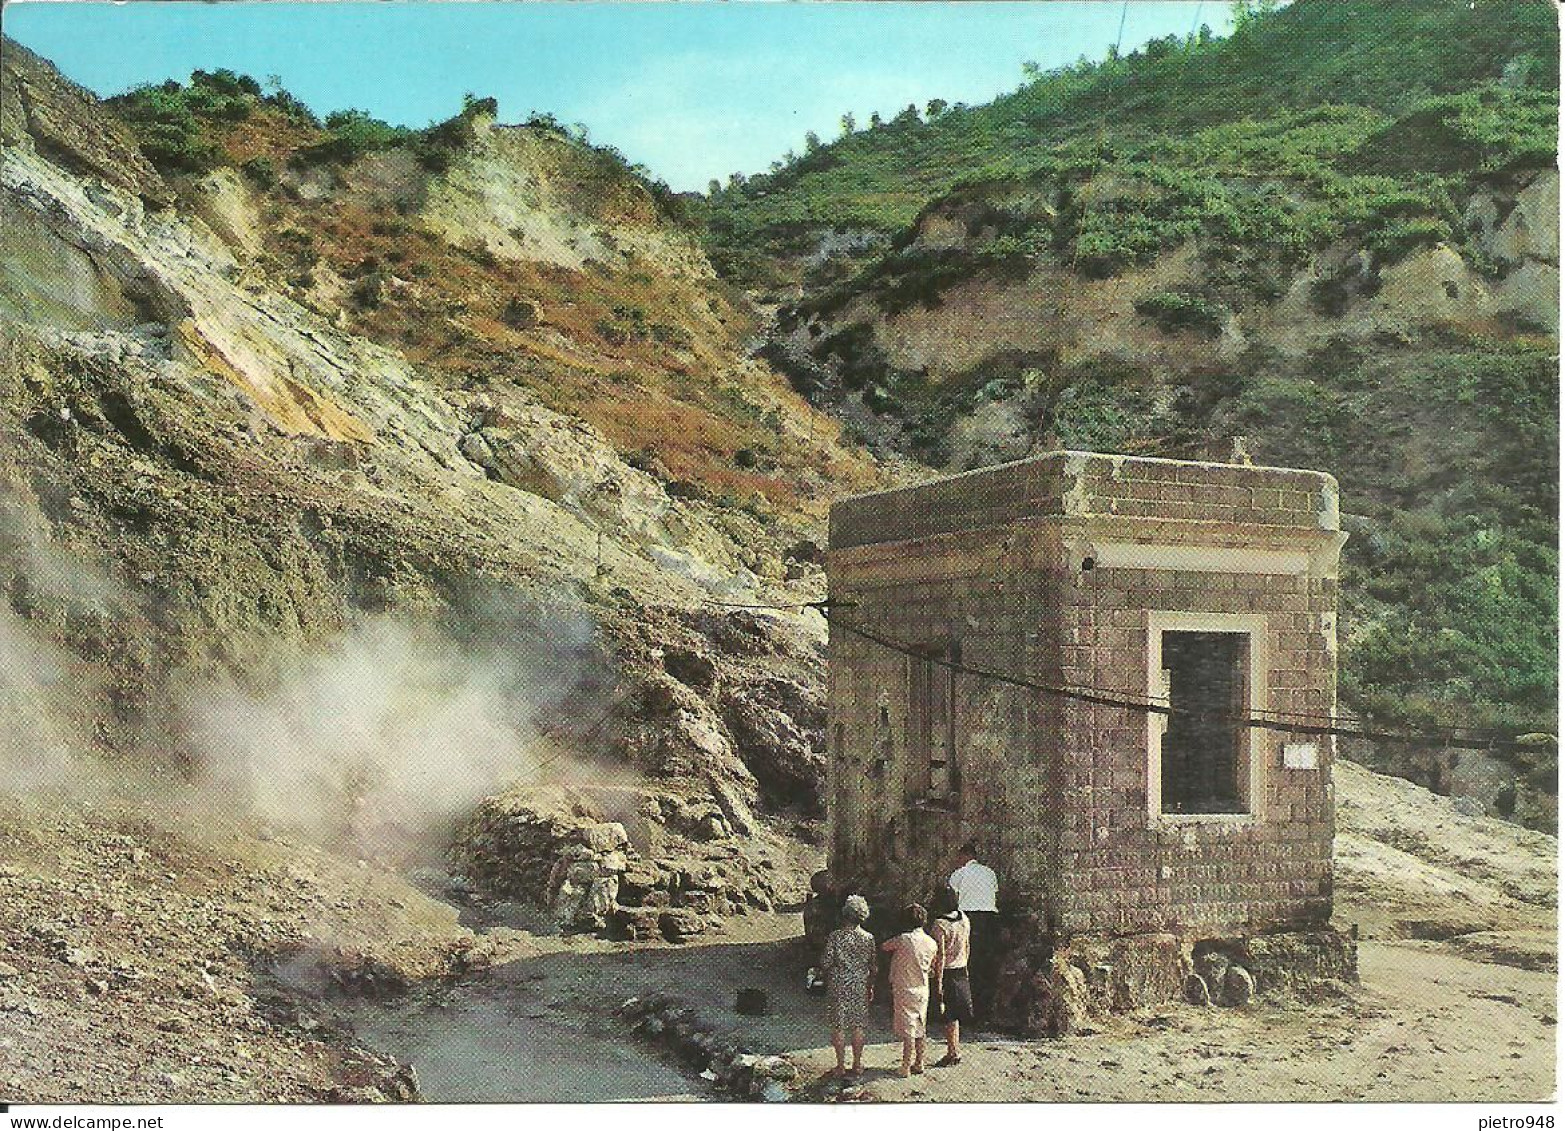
x=1300, y=756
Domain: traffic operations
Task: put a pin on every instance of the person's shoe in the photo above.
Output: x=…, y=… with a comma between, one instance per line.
x=948, y=1060
x=918, y=1070
x=902, y=1073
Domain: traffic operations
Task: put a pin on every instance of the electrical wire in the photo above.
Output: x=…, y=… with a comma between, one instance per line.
x=570, y=752
x=762, y=605
x=1279, y=718
x=1145, y=701
x=1302, y=724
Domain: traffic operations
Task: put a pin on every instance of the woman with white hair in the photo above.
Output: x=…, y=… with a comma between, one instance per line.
x=849, y=963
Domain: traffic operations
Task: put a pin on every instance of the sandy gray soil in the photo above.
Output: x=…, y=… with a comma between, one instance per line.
x=1457, y=1001
x=142, y=960
x=1426, y=1025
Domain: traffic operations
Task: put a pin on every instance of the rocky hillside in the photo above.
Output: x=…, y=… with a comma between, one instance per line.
x=207, y=965
x=349, y=476
x=1334, y=234
x=1340, y=66
x=375, y=505
x=499, y=258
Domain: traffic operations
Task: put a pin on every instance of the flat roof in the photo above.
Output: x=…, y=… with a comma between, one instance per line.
x=1088, y=484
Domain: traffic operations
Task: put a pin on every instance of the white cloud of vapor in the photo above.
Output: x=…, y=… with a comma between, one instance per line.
x=35, y=757
x=382, y=739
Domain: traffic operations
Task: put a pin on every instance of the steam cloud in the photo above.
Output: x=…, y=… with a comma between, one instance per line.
x=35, y=757
x=41, y=684
x=376, y=742
x=382, y=739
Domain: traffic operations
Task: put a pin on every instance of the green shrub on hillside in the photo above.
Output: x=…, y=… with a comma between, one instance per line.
x=165, y=125
x=291, y=108
x=861, y=360
x=351, y=134
x=1455, y=622
x=1489, y=130
x=224, y=83
x=260, y=170
x=167, y=118
x=921, y=277
x=1173, y=311
x=624, y=325
x=1392, y=241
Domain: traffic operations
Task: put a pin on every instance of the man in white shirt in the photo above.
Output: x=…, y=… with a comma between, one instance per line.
x=977, y=888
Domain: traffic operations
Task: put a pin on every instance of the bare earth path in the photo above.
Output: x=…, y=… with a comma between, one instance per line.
x=142, y=960
x=1426, y=1025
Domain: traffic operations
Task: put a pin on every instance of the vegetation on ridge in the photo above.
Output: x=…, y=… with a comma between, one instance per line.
x=1334, y=138
x=642, y=348
x=1319, y=101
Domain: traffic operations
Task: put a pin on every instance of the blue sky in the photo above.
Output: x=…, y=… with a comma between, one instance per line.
x=692, y=90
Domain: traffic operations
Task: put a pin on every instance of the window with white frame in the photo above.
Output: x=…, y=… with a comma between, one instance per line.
x=1209, y=670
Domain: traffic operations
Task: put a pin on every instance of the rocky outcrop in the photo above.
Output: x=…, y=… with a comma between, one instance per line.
x=1526, y=246
x=41, y=108
x=672, y=867
x=733, y=701
x=527, y=193
x=173, y=287
x=1060, y=989
x=226, y=204
x=252, y=477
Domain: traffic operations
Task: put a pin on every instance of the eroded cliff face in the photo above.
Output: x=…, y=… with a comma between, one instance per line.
x=1060, y=317
x=42, y=109
x=213, y=479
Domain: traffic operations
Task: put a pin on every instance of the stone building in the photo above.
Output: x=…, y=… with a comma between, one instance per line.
x=1208, y=587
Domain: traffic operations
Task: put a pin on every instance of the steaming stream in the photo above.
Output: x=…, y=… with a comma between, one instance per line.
x=483, y=1049
x=369, y=745
x=542, y=1028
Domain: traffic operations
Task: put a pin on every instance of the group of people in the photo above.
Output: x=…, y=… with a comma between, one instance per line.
x=930, y=963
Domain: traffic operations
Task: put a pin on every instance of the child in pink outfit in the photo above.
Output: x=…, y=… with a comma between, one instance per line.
x=912, y=957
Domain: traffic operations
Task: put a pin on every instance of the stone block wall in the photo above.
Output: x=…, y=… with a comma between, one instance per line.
x=1130, y=871
x=1056, y=570
x=891, y=834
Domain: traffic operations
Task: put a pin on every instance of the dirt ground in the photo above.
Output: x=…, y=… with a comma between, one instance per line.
x=1426, y=1025
x=142, y=960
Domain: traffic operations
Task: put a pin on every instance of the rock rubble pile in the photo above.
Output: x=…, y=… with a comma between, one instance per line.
x=720, y=1060
x=554, y=848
